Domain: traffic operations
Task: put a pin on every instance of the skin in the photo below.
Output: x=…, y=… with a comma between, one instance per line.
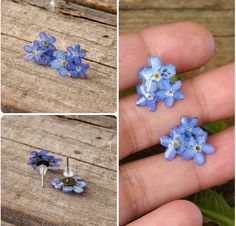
x=150, y=188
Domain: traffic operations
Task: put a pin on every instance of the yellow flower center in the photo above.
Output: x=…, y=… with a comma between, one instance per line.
x=197, y=148
x=156, y=76
x=176, y=143
x=34, y=52
x=45, y=43
x=63, y=63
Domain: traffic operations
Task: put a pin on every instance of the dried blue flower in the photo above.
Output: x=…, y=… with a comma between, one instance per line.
x=146, y=98
x=187, y=140
x=41, y=52
x=41, y=157
x=174, y=144
x=62, y=63
x=70, y=184
x=77, y=53
x=170, y=92
x=156, y=81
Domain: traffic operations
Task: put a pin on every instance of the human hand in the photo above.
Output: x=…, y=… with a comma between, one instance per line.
x=150, y=188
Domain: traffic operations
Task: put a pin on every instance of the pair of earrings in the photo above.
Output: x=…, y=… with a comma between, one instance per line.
x=42, y=161
x=44, y=52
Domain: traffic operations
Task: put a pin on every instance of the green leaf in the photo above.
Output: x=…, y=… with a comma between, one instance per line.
x=215, y=127
x=214, y=207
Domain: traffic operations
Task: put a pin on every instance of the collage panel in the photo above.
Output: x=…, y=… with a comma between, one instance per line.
x=58, y=170
x=59, y=56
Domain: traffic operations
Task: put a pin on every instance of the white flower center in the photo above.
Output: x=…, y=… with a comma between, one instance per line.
x=156, y=76
x=197, y=148
x=170, y=93
x=149, y=96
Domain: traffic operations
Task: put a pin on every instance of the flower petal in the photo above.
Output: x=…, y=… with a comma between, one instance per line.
x=62, y=71
x=78, y=189
x=184, y=120
x=161, y=95
x=141, y=102
x=188, y=154
x=193, y=122
x=178, y=95
x=145, y=74
x=152, y=105
x=165, y=140
x=77, y=47
x=43, y=36
x=169, y=102
x=170, y=153
x=70, y=49
x=154, y=62
x=29, y=57
x=28, y=48
x=168, y=71
x=199, y=159
x=56, y=64
x=66, y=188
x=198, y=131
x=35, y=44
x=208, y=149
x=176, y=86
x=60, y=54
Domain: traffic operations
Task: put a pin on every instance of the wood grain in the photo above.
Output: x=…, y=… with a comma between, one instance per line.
x=217, y=16
x=27, y=87
x=25, y=203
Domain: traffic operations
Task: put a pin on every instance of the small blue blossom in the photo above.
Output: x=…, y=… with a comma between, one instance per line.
x=46, y=41
x=196, y=149
x=156, y=78
x=174, y=144
x=187, y=140
x=146, y=98
x=42, y=156
x=76, y=52
x=70, y=184
x=79, y=70
x=62, y=63
x=170, y=92
x=190, y=127
x=35, y=52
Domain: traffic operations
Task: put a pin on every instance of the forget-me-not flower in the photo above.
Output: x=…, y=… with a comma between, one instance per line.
x=77, y=53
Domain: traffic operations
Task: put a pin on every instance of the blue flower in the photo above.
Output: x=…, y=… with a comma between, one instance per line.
x=190, y=127
x=170, y=93
x=62, y=63
x=156, y=71
x=46, y=41
x=197, y=148
x=41, y=157
x=146, y=98
x=35, y=52
x=79, y=70
x=70, y=184
x=188, y=141
x=174, y=144
x=77, y=53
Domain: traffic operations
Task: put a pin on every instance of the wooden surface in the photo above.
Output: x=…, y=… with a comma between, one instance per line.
x=90, y=141
x=216, y=15
x=27, y=87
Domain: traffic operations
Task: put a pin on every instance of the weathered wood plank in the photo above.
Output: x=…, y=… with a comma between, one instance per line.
x=133, y=20
x=180, y=4
x=41, y=89
x=105, y=5
x=25, y=203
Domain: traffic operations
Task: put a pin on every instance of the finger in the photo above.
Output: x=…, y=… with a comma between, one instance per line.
x=208, y=97
x=175, y=213
x=174, y=43
x=150, y=182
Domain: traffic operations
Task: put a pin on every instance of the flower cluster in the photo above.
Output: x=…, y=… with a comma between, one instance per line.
x=156, y=85
x=70, y=184
x=187, y=140
x=68, y=63
x=41, y=157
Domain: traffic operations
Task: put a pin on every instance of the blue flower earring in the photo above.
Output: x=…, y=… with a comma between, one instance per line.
x=187, y=140
x=69, y=183
x=156, y=85
x=44, y=52
x=41, y=161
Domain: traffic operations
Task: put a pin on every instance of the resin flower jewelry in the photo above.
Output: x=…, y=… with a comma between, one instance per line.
x=156, y=85
x=187, y=140
x=42, y=161
x=69, y=183
x=68, y=63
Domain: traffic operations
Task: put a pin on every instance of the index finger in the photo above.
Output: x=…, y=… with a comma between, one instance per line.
x=186, y=45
